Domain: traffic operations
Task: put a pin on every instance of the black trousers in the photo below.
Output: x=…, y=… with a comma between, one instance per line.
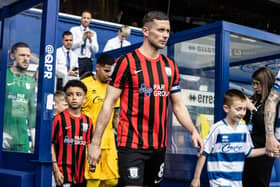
x=85, y=65
x=257, y=171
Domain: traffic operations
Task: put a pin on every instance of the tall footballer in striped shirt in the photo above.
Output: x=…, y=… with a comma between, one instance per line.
x=71, y=132
x=145, y=81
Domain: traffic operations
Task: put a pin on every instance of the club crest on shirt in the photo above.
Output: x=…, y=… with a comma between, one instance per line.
x=133, y=173
x=168, y=71
x=85, y=127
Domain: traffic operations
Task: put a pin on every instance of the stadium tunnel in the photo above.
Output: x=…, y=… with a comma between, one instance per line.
x=211, y=58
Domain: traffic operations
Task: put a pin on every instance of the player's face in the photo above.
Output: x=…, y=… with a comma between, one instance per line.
x=103, y=72
x=157, y=33
x=21, y=57
x=67, y=41
x=85, y=19
x=257, y=86
x=236, y=111
x=75, y=97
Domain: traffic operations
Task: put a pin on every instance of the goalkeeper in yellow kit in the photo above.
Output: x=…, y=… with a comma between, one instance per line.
x=106, y=172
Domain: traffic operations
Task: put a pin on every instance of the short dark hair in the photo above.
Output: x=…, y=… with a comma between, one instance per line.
x=232, y=94
x=75, y=83
x=105, y=59
x=66, y=33
x=18, y=45
x=152, y=15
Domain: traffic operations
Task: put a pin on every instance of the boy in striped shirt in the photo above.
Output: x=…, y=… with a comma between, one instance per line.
x=71, y=132
x=227, y=145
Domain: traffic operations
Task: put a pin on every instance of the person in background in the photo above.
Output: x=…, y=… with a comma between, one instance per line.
x=84, y=43
x=145, y=81
x=120, y=40
x=71, y=132
x=20, y=111
x=66, y=61
x=257, y=171
x=106, y=173
x=60, y=103
x=227, y=145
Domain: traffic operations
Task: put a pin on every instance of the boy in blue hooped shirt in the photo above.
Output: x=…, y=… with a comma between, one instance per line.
x=227, y=145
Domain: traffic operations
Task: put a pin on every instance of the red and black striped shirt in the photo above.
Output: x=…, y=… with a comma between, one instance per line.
x=146, y=86
x=70, y=135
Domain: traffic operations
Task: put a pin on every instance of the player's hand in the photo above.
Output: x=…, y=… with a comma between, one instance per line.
x=94, y=154
x=59, y=178
x=197, y=141
x=195, y=183
x=272, y=145
x=6, y=138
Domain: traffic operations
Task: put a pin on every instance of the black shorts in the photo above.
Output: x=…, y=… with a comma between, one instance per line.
x=141, y=167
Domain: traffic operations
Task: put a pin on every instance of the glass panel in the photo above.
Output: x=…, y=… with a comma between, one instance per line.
x=22, y=36
x=197, y=53
x=197, y=87
x=244, y=54
x=244, y=48
x=244, y=71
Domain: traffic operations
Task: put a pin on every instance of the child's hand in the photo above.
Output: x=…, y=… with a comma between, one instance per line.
x=195, y=183
x=59, y=178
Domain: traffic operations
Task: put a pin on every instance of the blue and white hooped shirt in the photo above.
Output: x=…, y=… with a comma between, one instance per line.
x=276, y=85
x=226, y=149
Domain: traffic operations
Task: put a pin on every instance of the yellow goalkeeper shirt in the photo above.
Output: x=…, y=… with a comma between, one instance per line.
x=95, y=97
x=107, y=168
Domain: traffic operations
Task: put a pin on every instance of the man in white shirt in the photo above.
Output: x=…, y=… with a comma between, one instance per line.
x=120, y=40
x=84, y=43
x=66, y=61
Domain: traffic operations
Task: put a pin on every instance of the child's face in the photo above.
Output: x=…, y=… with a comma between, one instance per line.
x=75, y=97
x=60, y=105
x=236, y=111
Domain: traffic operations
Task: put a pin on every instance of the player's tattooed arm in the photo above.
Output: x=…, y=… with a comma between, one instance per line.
x=270, y=111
